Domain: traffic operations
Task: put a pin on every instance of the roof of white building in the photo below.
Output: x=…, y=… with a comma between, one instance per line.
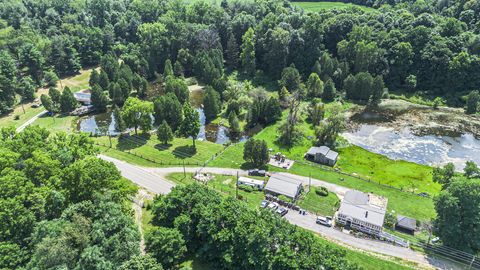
x=364, y=207
x=242, y=179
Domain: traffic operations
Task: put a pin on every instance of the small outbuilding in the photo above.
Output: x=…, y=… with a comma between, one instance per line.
x=406, y=224
x=258, y=184
x=323, y=155
x=283, y=185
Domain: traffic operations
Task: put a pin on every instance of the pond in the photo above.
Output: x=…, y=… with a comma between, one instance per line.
x=423, y=149
x=105, y=122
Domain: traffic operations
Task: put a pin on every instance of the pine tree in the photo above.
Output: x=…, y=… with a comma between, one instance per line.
x=119, y=122
x=329, y=91
x=314, y=86
x=103, y=80
x=178, y=69
x=99, y=99
x=211, y=104
x=232, y=52
x=247, y=56
x=67, y=101
x=233, y=122
x=473, y=100
x=164, y=133
x=94, y=78
x=190, y=126
x=167, y=69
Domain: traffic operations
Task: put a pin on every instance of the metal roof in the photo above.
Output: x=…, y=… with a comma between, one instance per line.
x=406, y=222
x=283, y=185
x=332, y=155
x=318, y=150
x=357, y=205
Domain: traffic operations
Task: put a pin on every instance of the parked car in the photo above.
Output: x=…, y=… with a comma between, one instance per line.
x=273, y=206
x=424, y=194
x=325, y=221
x=264, y=203
x=257, y=172
x=282, y=211
x=435, y=240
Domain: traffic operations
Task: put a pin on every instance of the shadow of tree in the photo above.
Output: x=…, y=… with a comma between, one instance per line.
x=163, y=147
x=131, y=142
x=250, y=165
x=185, y=151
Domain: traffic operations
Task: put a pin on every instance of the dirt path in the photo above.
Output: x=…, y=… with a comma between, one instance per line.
x=138, y=203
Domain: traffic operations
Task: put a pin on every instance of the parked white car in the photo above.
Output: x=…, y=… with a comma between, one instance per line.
x=325, y=221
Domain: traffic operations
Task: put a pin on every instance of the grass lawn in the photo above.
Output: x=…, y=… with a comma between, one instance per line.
x=178, y=151
x=9, y=119
x=77, y=82
x=318, y=6
x=320, y=205
x=57, y=123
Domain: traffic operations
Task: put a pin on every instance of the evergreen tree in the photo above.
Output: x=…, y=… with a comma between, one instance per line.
x=8, y=81
x=98, y=98
x=164, y=133
x=211, y=104
x=234, y=123
x=247, y=55
x=94, y=78
x=167, y=69
x=314, y=86
x=50, y=78
x=317, y=69
x=178, y=69
x=119, y=122
x=168, y=108
x=329, y=91
x=27, y=89
x=178, y=87
x=67, y=101
x=378, y=87
x=232, y=52
x=473, y=99
x=103, y=79
x=290, y=79
x=190, y=126
x=47, y=103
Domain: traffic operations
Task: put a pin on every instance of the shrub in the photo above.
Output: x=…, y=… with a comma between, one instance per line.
x=246, y=188
x=321, y=191
x=16, y=117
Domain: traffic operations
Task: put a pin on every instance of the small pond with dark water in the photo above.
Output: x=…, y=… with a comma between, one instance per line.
x=105, y=122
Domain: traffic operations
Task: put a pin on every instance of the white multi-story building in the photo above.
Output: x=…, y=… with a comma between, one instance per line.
x=362, y=212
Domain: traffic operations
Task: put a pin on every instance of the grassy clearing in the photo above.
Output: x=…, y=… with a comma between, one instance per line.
x=178, y=151
x=319, y=6
x=57, y=123
x=320, y=205
x=9, y=119
x=77, y=82
x=398, y=173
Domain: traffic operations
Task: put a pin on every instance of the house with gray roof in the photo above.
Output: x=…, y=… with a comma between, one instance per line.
x=283, y=185
x=322, y=154
x=362, y=212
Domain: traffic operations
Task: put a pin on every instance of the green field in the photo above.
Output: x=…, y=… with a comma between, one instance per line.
x=77, y=82
x=57, y=123
x=318, y=6
x=9, y=119
x=140, y=149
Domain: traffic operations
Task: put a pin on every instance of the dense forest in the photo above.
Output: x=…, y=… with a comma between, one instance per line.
x=426, y=48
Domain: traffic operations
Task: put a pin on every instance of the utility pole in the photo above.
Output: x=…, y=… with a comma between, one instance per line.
x=309, y=181
x=109, y=138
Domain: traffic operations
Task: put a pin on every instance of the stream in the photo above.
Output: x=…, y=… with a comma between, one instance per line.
x=403, y=142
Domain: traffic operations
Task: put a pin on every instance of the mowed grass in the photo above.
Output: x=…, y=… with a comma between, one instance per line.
x=148, y=151
x=318, y=6
x=77, y=82
x=57, y=123
x=8, y=120
x=320, y=205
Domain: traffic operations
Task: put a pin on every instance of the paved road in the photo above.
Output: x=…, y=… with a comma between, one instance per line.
x=142, y=177
x=30, y=121
x=153, y=179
